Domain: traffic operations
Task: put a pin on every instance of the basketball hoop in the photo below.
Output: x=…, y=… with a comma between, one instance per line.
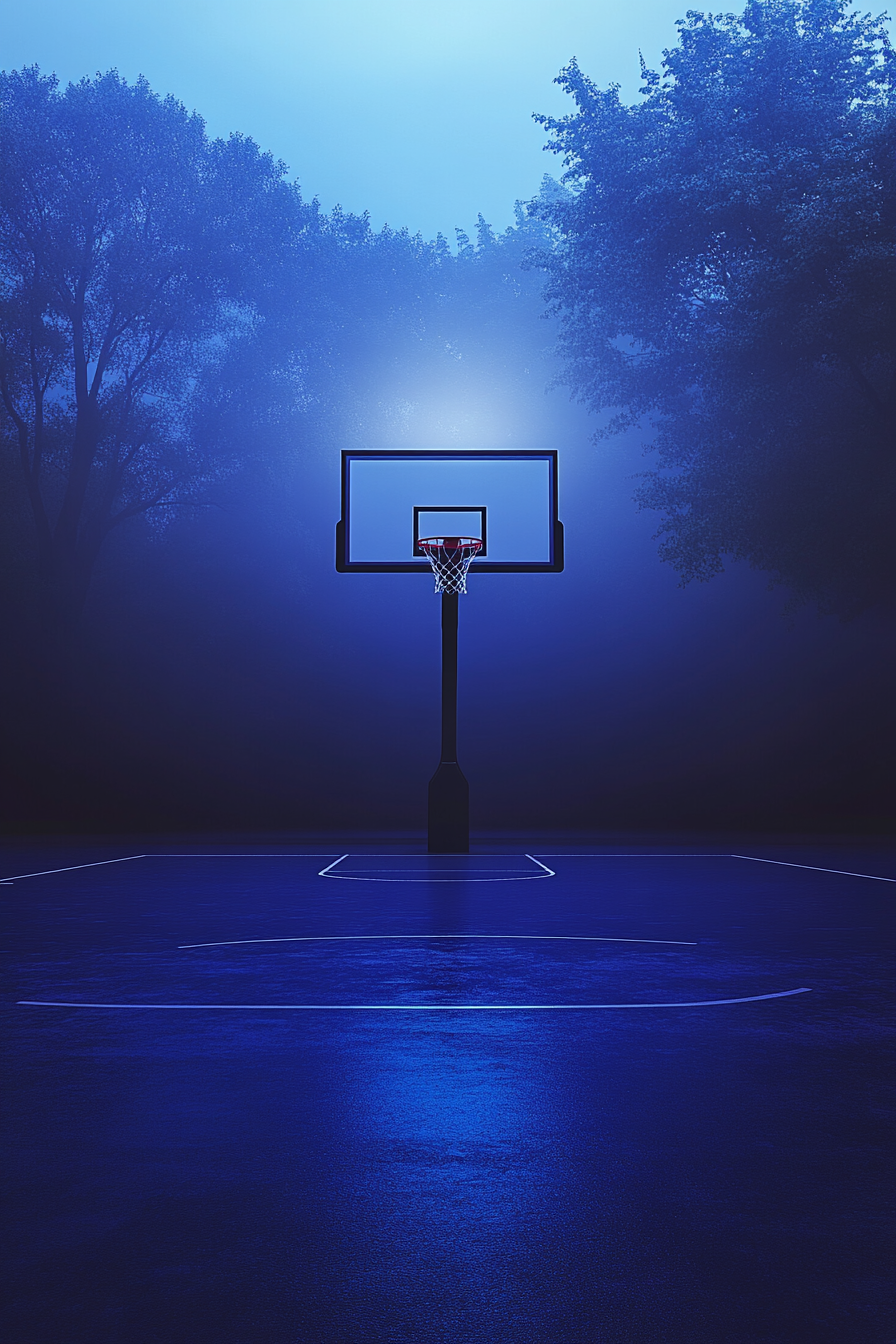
x=450, y=559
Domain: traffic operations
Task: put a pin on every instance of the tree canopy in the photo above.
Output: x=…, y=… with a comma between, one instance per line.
x=131, y=252
x=725, y=276
x=170, y=307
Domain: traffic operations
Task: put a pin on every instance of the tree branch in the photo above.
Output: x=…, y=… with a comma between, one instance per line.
x=142, y=506
x=35, y=498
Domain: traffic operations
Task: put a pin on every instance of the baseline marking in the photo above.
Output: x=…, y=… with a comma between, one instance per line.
x=872, y=877
x=409, y=1007
x=381, y=937
x=47, y=872
x=98, y=864
x=751, y=858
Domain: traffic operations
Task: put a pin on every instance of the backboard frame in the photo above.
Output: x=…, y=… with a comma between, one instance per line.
x=345, y=565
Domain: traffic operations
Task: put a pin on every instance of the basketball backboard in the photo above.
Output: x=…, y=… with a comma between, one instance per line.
x=390, y=500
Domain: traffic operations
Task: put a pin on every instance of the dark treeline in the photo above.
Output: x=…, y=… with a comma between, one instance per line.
x=186, y=342
x=173, y=308
x=727, y=271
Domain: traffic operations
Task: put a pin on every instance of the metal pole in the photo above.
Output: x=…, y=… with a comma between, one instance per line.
x=449, y=792
x=449, y=678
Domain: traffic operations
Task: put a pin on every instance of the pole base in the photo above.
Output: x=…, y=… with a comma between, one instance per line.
x=449, y=811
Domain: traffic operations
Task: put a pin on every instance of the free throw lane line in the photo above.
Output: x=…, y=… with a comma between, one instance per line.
x=428, y=874
x=409, y=1007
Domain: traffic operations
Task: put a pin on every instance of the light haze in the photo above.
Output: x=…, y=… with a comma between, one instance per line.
x=420, y=113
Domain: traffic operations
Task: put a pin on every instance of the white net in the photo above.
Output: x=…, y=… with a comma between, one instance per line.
x=450, y=559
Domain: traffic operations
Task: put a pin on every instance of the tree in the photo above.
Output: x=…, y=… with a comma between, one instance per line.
x=726, y=276
x=131, y=251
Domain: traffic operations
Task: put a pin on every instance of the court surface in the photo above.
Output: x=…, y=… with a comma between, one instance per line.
x=348, y=1095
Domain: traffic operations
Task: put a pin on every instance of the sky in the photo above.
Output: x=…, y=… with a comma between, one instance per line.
x=419, y=112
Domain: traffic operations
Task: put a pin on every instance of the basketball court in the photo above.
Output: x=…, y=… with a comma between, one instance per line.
x=522, y=1094
x=351, y=1094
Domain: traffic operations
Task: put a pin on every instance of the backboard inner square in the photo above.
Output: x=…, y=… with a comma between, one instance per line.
x=450, y=523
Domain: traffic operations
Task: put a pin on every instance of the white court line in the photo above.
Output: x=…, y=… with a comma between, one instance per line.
x=362, y=877
x=380, y=937
x=127, y=858
x=409, y=1007
x=325, y=872
x=872, y=877
x=99, y=864
x=434, y=874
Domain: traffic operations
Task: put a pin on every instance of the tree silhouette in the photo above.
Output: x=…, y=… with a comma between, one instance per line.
x=131, y=248
x=726, y=276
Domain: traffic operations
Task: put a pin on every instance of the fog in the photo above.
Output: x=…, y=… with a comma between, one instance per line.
x=228, y=677
x=221, y=675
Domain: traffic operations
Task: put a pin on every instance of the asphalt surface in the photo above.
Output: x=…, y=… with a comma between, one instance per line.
x=448, y=1101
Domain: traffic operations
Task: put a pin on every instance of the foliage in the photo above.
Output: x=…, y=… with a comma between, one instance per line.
x=726, y=274
x=170, y=309
x=131, y=252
